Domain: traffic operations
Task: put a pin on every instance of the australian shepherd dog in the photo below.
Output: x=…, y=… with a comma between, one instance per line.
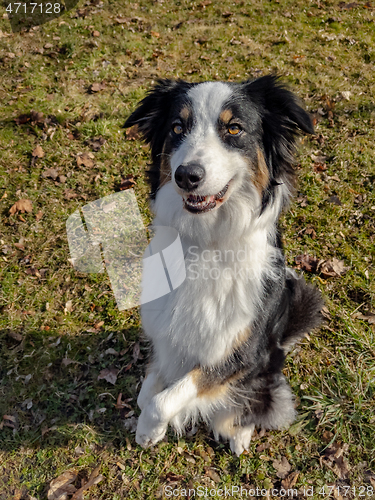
x=221, y=173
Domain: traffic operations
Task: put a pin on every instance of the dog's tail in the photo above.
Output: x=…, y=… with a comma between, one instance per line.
x=306, y=304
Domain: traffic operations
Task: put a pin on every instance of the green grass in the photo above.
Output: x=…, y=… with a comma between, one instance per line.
x=63, y=416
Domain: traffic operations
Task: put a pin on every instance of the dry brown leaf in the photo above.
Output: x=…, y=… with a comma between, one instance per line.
x=69, y=194
x=320, y=167
x=204, y=455
x=85, y=160
x=262, y=447
x=348, y=6
x=21, y=119
x=334, y=460
x=189, y=458
x=335, y=200
x=122, y=20
x=10, y=417
x=332, y=268
x=172, y=477
x=320, y=159
x=68, y=307
x=94, y=479
x=327, y=436
x=67, y=361
x=20, y=246
x=36, y=117
x=38, y=152
x=282, y=467
x=290, y=481
x=18, y=494
x=51, y=173
x=109, y=374
x=97, y=87
x=62, y=486
x=120, y=404
x=306, y=263
x=15, y=335
x=310, y=231
x=127, y=183
x=132, y=133
x=139, y=62
x=21, y=206
x=111, y=351
x=212, y=474
x=302, y=200
x=95, y=143
x=369, y=317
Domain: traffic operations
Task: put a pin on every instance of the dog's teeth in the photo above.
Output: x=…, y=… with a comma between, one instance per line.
x=202, y=203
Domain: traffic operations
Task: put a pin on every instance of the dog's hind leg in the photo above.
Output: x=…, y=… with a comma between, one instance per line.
x=224, y=425
x=240, y=441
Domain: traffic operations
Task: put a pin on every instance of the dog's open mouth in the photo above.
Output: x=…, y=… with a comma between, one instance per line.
x=198, y=204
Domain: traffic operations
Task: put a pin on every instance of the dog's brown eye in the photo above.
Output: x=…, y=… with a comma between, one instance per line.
x=177, y=129
x=234, y=129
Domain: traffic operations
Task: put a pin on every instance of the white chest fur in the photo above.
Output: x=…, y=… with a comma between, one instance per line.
x=198, y=323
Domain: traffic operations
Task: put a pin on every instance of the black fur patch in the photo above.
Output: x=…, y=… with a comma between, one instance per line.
x=154, y=117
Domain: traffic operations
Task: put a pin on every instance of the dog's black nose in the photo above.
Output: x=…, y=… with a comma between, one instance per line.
x=189, y=176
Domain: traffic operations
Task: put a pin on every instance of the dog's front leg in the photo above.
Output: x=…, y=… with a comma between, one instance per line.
x=151, y=385
x=154, y=419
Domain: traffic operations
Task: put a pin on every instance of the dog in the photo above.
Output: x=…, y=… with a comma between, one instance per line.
x=221, y=174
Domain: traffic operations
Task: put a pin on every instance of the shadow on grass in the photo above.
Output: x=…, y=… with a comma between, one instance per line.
x=54, y=389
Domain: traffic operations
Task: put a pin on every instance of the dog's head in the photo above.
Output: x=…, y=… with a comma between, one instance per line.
x=217, y=144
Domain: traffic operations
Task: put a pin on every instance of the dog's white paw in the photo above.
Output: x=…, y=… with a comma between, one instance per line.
x=241, y=439
x=151, y=428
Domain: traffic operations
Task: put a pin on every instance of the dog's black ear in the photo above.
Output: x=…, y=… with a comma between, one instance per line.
x=282, y=118
x=153, y=111
x=279, y=104
x=152, y=117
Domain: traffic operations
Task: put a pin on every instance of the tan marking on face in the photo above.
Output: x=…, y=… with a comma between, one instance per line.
x=226, y=115
x=261, y=175
x=165, y=170
x=185, y=113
